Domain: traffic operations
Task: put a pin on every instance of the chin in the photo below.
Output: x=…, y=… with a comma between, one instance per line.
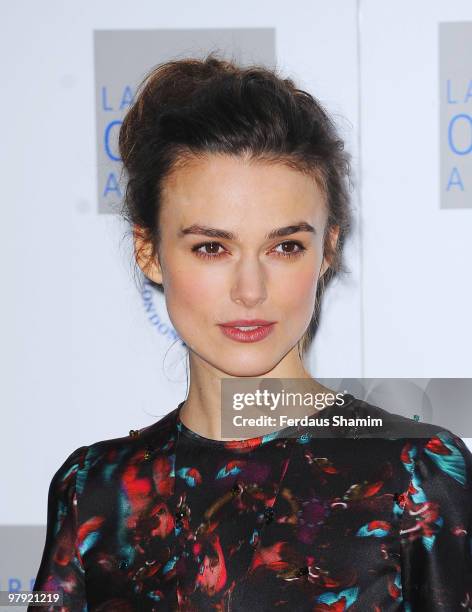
x=255, y=367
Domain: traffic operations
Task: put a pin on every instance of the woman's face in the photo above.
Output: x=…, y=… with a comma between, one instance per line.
x=218, y=262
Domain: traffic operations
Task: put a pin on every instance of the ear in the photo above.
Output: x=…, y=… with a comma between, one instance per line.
x=330, y=248
x=143, y=252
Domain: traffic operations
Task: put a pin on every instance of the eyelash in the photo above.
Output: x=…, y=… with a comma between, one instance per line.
x=198, y=253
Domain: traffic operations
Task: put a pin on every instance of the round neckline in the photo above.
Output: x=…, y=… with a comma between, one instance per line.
x=262, y=440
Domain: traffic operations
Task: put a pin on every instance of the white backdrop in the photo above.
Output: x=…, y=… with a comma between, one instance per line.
x=80, y=358
x=416, y=279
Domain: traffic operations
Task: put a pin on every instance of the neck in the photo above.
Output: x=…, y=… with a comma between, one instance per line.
x=201, y=411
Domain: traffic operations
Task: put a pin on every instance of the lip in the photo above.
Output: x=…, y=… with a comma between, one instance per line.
x=246, y=322
x=254, y=335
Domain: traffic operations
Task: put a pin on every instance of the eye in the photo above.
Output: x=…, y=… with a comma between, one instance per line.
x=299, y=251
x=214, y=246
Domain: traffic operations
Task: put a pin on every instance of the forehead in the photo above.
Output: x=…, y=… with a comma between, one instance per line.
x=231, y=189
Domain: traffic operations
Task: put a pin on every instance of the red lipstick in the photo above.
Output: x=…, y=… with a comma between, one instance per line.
x=258, y=329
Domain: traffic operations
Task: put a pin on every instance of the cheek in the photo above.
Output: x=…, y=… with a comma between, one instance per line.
x=301, y=307
x=190, y=292
x=303, y=289
x=298, y=295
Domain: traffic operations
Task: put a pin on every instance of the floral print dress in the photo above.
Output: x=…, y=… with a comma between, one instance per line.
x=165, y=519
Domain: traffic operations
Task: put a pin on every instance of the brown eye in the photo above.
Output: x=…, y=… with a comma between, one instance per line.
x=291, y=252
x=210, y=250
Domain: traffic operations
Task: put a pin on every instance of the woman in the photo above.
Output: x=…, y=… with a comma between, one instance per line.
x=238, y=199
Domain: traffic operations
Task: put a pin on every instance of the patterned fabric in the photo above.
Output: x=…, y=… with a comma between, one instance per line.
x=165, y=519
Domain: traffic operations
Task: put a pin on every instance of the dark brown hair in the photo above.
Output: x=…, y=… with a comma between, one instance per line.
x=191, y=107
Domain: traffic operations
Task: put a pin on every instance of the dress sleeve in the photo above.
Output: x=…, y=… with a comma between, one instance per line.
x=61, y=566
x=436, y=526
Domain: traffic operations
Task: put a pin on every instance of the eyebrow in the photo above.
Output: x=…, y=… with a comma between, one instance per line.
x=213, y=232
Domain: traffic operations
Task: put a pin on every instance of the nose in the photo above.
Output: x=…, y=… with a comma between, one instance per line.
x=249, y=287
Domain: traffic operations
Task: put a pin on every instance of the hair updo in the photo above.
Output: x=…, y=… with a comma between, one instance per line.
x=190, y=107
